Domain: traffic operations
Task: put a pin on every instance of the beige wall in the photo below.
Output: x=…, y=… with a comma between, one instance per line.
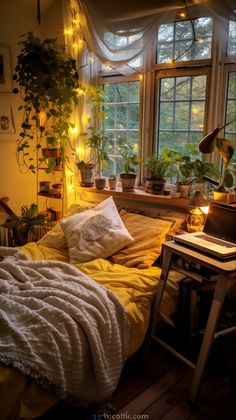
x=18, y=17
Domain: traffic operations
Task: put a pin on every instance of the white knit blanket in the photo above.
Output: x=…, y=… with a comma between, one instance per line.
x=60, y=327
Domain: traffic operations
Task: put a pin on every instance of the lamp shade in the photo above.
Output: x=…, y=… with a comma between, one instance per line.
x=208, y=143
x=198, y=200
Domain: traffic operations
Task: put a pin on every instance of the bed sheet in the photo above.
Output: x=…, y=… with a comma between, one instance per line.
x=135, y=288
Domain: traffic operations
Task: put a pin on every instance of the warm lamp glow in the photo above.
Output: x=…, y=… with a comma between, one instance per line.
x=205, y=209
x=198, y=208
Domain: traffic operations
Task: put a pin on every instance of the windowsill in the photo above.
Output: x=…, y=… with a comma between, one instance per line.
x=140, y=195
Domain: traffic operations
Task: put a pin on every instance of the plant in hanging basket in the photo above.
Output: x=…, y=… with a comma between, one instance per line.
x=48, y=79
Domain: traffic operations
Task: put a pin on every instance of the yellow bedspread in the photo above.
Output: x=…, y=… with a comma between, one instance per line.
x=134, y=288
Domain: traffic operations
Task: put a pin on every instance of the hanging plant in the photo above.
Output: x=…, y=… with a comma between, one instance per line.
x=48, y=79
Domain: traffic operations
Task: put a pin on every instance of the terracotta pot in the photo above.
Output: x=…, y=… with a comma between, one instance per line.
x=221, y=196
x=184, y=189
x=155, y=186
x=100, y=183
x=112, y=183
x=51, y=152
x=127, y=182
x=87, y=175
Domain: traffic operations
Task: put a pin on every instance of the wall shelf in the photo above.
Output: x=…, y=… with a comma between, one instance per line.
x=139, y=195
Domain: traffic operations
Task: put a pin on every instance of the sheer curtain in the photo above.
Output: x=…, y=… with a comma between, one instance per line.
x=118, y=32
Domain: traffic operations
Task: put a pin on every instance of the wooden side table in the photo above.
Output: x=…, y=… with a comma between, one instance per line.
x=198, y=266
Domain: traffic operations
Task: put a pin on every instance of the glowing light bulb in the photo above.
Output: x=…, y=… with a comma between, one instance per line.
x=140, y=77
x=169, y=61
x=68, y=31
x=70, y=188
x=182, y=15
x=69, y=172
x=74, y=130
x=80, y=91
x=76, y=21
x=80, y=152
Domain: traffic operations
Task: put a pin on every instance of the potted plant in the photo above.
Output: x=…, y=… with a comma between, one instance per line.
x=48, y=81
x=25, y=227
x=130, y=157
x=226, y=150
x=158, y=170
x=98, y=142
x=86, y=173
x=112, y=181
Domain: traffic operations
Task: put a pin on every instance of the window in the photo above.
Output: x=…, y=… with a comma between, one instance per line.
x=184, y=40
x=181, y=111
x=122, y=109
x=189, y=90
x=230, y=111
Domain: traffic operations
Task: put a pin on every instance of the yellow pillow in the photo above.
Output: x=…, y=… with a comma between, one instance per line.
x=149, y=235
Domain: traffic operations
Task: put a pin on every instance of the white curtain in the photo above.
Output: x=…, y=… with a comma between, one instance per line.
x=118, y=32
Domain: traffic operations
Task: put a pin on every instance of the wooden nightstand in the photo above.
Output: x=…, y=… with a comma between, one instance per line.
x=221, y=274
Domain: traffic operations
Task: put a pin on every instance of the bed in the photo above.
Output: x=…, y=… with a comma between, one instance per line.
x=76, y=305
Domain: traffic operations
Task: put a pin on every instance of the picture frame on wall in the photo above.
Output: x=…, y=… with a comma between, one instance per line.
x=7, y=125
x=5, y=69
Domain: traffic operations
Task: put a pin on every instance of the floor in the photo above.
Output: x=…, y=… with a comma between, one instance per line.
x=158, y=389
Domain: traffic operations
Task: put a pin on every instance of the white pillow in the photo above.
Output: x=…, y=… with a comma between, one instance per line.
x=95, y=233
x=55, y=238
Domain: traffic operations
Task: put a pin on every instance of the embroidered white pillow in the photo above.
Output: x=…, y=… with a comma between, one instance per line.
x=55, y=238
x=95, y=233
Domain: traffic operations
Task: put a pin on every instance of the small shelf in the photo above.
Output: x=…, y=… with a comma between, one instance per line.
x=54, y=170
x=50, y=196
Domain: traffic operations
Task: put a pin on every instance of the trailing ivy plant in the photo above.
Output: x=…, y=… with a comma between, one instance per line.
x=48, y=79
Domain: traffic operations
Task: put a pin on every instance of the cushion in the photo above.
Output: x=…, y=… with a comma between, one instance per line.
x=149, y=235
x=95, y=233
x=177, y=219
x=55, y=238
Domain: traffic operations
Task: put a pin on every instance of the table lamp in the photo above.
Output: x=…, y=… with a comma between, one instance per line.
x=198, y=208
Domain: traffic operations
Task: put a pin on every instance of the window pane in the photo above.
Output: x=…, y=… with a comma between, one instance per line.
x=166, y=32
x=199, y=87
x=183, y=30
x=110, y=117
x=181, y=115
x=183, y=87
x=133, y=120
x=166, y=116
x=181, y=111
x=232, y=85
x=167, y=88
x=231, y=51
x=185, y=40
x=134, y=92
x=197, y=115
x=230, y=114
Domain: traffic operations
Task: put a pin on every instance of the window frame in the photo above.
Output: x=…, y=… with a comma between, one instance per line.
x=111, y=79
x=216, y=69
x=176, y=73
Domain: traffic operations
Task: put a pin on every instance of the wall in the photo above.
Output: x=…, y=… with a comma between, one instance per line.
x=18, y=17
